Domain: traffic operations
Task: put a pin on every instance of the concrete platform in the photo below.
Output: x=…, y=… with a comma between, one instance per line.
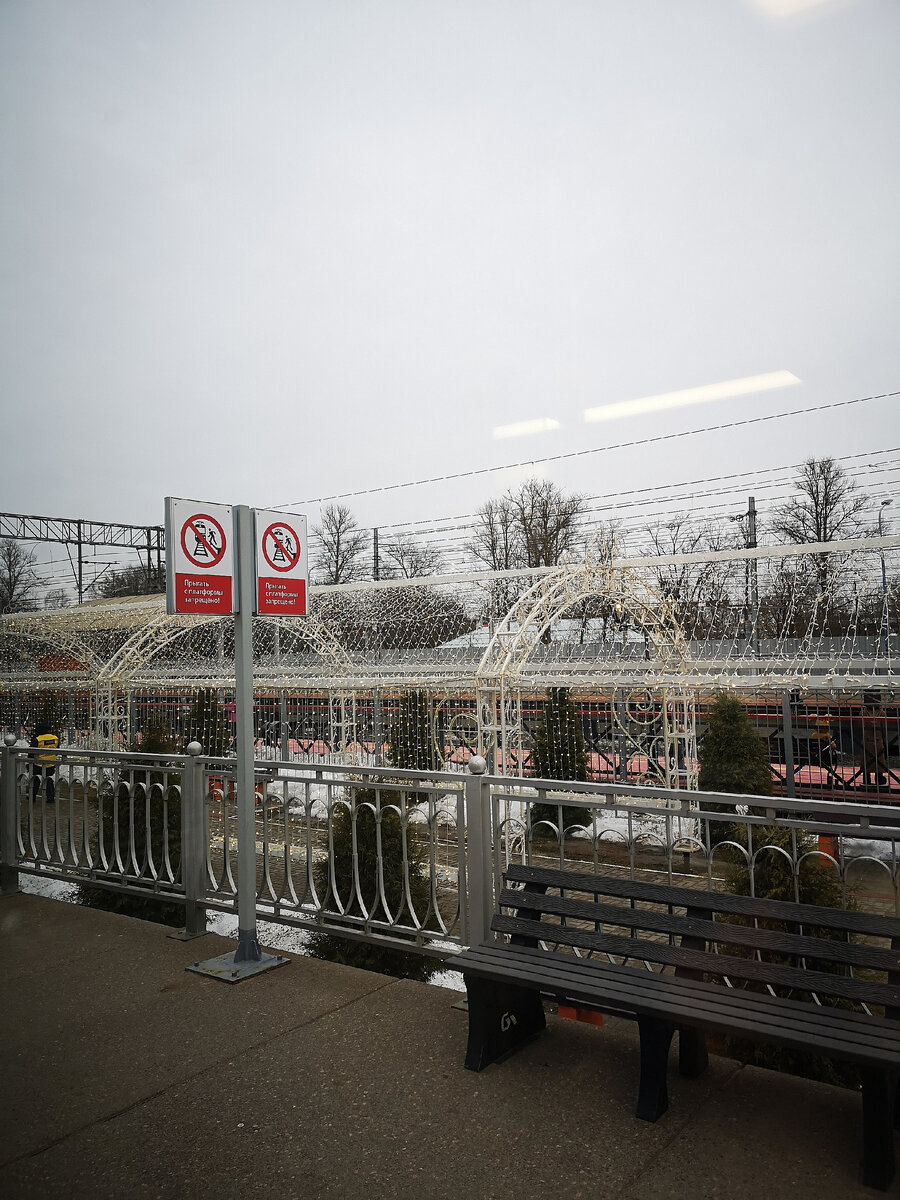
x=123, y=1075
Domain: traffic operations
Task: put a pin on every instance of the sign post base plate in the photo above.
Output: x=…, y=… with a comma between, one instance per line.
x=228, y=971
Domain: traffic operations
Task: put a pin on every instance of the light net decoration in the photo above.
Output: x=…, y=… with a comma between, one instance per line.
x=425, y=672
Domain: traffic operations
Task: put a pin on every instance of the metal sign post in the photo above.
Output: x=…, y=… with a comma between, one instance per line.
x=248, y=959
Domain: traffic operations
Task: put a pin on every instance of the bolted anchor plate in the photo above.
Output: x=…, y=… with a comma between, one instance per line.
x=228, y=971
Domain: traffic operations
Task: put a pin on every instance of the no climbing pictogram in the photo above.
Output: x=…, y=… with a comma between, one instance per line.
x=203, y=540
x=281, y=547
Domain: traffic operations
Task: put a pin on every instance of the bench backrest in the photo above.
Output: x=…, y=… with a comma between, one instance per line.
x=801, y=951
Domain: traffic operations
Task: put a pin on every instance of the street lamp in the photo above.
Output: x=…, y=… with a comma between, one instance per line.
x=885, y=629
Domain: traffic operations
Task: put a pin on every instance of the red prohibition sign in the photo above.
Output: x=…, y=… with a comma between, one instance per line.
x=292, y=559
x=206, y=552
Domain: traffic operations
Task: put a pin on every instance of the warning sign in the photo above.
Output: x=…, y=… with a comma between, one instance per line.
x=199, y=557
x=281, y=547
x=207, y=537
x=281, y=564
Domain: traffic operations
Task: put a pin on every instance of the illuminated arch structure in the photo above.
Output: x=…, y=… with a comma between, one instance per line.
x=509, y=666
x=611, y=627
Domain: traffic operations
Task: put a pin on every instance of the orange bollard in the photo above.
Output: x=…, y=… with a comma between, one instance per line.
x=828, y=845
x=588, y=1015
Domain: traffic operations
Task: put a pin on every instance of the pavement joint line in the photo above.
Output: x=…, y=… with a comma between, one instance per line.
x=389, y=981
x=627, y=1189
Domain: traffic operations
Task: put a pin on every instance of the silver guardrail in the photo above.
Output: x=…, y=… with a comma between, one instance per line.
x=409, y=858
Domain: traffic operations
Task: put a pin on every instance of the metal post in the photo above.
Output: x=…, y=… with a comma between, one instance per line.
x=193, y=845
x=248, y=945
x=479, y=899
x=620, y=736
x=80, y=566
x=885, y=623
x=248, y=959
x=284, y=735
x=885, y=615
x=378, y=758
x=9, y=863
x=754, y=578
x=787, y=728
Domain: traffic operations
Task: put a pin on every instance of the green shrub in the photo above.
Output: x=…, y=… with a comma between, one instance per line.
x=207, y=723
x=559, y=753
x=733, y=758
x=368, y=956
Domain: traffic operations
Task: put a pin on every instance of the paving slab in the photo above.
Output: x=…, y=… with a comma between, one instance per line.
x=113, y=1017
x=372, y=1099
x=125, y=1075
x=767, y=1134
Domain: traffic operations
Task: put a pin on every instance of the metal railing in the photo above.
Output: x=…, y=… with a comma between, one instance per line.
x=411, y=858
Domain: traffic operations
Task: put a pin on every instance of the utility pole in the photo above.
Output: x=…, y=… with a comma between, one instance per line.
x=80, y=568
x=751, y=576
x=885, y=625
x=754, y=577
x=376, y=691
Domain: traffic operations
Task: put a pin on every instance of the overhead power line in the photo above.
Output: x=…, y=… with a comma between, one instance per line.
x=661, y=437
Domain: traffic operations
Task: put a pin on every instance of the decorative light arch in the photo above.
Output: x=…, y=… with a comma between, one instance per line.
x=503, y=670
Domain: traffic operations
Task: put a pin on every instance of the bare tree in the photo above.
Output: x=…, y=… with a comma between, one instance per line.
x=533, y=526
x=18, y=580
x=495, y=542
x=827, y=508
x=548, y=521
x=704, y=595
x=411, y=559
x=339, y=557
x=138, y=580
x=57, y=598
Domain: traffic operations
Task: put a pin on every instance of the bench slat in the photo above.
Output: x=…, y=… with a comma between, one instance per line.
x=724, y=902
x=564, y=971
x=873, y=958
x=847, y=1035
x=643, y=949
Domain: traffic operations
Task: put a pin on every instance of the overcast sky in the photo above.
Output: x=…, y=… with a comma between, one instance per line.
x=268, y=251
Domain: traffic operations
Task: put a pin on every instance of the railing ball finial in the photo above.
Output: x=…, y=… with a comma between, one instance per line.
x=477, y=765
x=194, y=748
x=9, y=739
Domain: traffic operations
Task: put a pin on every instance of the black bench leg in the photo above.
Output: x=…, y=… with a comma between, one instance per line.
x=692, y=1056
x=656, y=1038
x=879, y=1089
x=501, y=1020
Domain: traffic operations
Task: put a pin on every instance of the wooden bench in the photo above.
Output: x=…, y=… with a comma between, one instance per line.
x=677, y=958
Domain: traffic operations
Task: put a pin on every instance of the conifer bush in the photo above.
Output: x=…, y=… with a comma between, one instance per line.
x=412, y=746
x=733, y=758
x=207, y=724
x=369, y=956
x=559, y=752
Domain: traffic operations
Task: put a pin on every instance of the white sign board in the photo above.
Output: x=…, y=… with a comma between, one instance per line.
x=282, y=564
x=199, y=557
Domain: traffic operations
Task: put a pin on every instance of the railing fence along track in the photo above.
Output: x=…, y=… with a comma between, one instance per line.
x=409, y=859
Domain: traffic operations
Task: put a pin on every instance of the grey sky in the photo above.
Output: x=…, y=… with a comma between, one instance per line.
x=258, y=252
